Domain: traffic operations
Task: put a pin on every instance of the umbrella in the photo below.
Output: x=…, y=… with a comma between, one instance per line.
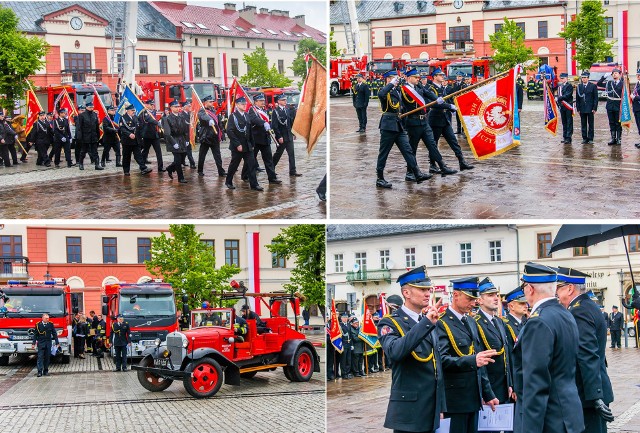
x=584, y=235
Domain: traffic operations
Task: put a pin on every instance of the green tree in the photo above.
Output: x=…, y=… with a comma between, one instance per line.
x=591, y=46
x=259, y=74
x=20, y=56
x=509, y=48
x=307, y=243
x=188, y=264
x=308, y=45
x=333, y=46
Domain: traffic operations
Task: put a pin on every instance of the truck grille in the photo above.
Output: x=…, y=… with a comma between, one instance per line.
x=174, y=344
x=148, y=335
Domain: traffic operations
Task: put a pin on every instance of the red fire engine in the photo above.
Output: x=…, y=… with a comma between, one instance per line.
x=342, y=71
x=22, y=304
x=149, y=308
x=380, y=66
x=480, y=68
x=292, y=95
x=163, y=92
x=80, y=93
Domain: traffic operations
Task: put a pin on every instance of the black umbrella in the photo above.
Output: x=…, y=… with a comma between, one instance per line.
x=584, y=235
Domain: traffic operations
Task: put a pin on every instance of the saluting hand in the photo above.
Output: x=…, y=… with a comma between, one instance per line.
x=485, y=357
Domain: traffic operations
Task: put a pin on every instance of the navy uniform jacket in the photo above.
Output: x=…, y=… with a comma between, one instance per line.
x=544, y=361
x=439, y=115
x=44, y=333
x=120, y=334
x=361, y=95
x=176, y=131
x=520, y=92
x=465, y=383
x=409, y=104
x=513, y=329
x=587, y=98
x=208, y=135
x=391, y=105
x=88, y=127
x=615, y=321
x=260, y=135
x=41, y=133
x=499, y=372
x=613, y=92
x=282, y=121
x=9, y=133
x=128, y=125
x=148, y=125
x=565, y=93
x=417, y=387
x=347, y=339
x=239, y=132
x=61, y=129
x=591, y=375
x=110, y=130
x=358, y=344
x=635, y=105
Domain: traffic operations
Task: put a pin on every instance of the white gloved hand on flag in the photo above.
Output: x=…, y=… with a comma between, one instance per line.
x=440, y=100
x=267, y=126
x=176, y=146
x=211, y=122
x=64, y=140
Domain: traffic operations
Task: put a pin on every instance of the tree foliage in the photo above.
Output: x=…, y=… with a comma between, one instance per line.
x=307, y=243
x=333, y=46
x=588, y=31
x=259, y=74
x=308, y=45
x=20, y=56
x=189, y=265
x=509, y=48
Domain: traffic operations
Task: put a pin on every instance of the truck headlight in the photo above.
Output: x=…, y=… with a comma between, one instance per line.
x=59, y=332
x=185, y=343
x=157, y=342
x=4, y=334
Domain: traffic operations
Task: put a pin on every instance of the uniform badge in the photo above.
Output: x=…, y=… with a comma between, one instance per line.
x=385, y=330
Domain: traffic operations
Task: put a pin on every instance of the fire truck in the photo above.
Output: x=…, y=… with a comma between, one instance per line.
x=163, y=92
x=292, y=95
x=342, y=71
x=149, y=308
x=22, y=304
x=80, y=93
x=599, y=70
x=213, y=350
x=483, y=68
x=429, y=66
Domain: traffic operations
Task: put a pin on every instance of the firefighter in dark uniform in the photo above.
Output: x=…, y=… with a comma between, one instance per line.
x=148, y=130
x=465, y=376
x=100, y=339
x=241, y=146
x=613, y=90
x=347, y=344
x=457, y=86
x=357, y=355
x=240, y=328
x=392, y=131
x=176, y=136
x=12, y=137
x=88, y=134
x=41, y=135
x=417, y=125
x=493, y=335
x=282, y=118
x=186, y=115
x=43, y=333
x=120, y=339
x=440, y=118
x=587, y=105
x=544, y=360
x=360, y=93
x=615, y=326
x=210, y=136
x=515, y=319
x=410, y=341
x=261, y=139
x=565, y=102
x=62, y=138
x=5, y=137
x=635, y=105
x=110, y=139
x=128, y=135
x=77, y=147
x=531, y=88
x=592, y=379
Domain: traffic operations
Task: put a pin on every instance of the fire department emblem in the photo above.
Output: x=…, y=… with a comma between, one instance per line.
x=495, y=115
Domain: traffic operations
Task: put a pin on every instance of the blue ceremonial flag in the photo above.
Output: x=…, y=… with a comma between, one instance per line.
x=625, y=106
x=334, y=331
x=550, y=109
x=127, y=97
x=370, y=340
x=516, y=114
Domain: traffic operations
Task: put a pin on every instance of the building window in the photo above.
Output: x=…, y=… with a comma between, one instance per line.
x=232, y=252
x=109, y=250
x=424, y=36
x=163, y=65
x=248, y=44
x=608, y=26
x=495, y=251
x=521, y=26
x=544, y=245
x=462, y=33
x=196, y=42
x=436, y=254
x=10, y=246
x=74, y=250
x=281, y=67
x=388, y=42
x=208, y=42
x=580, y=251
x=410, y=257
x=119, y=62
x=384, y=258
x=144, y=66
x=497, y=28
x=197, y=66
x=77, y=64
x=233, y=44
x=361, y=261
x=405, y=38
x=338, y=260
x=234, y=67
x=263, y=45
x=543, y=29
x=277, y=261
x=144, y=249
x=279, y=47
x=211, y=67
x=465, y=253
x=211, y=244
x=634, y=243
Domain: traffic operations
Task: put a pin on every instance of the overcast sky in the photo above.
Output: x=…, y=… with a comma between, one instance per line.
x=315, y=11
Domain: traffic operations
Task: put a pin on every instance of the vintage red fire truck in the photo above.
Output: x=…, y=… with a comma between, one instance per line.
x=342, y=71
x=213, y=350
x=149, y=308
x=22, y=304
x=163, y=92
x=80, y=93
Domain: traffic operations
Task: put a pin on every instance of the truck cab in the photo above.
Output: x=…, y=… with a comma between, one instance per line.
x=80, y=93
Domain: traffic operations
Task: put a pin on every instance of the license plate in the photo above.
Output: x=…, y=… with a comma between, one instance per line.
x=161, y=362
x=21, y=337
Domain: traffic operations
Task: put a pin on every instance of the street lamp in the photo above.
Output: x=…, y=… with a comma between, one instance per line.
x=624, y=321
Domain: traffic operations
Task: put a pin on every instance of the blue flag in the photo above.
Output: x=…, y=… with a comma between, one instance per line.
x=625, y=106
x=127, y=97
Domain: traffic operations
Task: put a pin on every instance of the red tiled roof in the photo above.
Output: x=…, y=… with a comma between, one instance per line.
x=213, y=18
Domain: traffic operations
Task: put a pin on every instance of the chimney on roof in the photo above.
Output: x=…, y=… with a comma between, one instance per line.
x=299, y=19
x=264, y=11
x=230, y=6
x=249, y=14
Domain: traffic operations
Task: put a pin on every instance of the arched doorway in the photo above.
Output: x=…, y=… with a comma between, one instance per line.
x=76, y=284
x=110, y=280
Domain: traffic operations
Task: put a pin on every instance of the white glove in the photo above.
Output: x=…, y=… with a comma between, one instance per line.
x=211, y=123
x=267, y=126
x=394, y=80
x=452, y=107
x=176, y=146
x=440, y=100
x=64, y=140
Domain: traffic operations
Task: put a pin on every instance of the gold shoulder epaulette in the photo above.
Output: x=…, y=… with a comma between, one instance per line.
x=442, y=314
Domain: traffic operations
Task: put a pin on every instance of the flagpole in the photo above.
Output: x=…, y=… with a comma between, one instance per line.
x=459, y=92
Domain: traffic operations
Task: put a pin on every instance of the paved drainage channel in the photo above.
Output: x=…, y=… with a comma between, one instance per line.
x=155, y=400
x=13, y=379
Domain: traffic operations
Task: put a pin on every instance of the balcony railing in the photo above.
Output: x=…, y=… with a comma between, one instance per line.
x=367, y=276
x=14, y=267
x=80, y=76
x=458, y=46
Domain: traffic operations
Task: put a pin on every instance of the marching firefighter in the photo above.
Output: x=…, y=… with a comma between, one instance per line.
x=148, y=130
x=613, y=90
x=6, y=137
x=282, y=118
x=176, y=135
x=120, y=339
x=565, y=100
x=239, y=132
x=88, y=133
x=44, y=332
x=128, y=134
x=111, y=139
x=210, y=136
x=41, y=136
x=186, y=115
x=62, y=138
x=260, y=130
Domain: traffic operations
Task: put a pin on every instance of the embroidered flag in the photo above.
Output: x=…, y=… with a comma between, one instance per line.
x=196, y=105
x=33, y=108
x=625, y=106
x=369, y=332
x=335, y=335
x=65, y=102
x=127, y=97
x=550, y=109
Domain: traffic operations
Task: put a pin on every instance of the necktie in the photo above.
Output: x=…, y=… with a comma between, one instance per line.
x=420, y=317
x=466, y=325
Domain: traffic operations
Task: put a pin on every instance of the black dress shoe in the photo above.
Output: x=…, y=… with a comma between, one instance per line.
x=585, y=142
x=259, y=169
x=563, y=141
x=434, y=169
x=295, y=174
x=410, y=177
x=127, y=174
x=146, y=171
x=48, y=164
x=39, y=374
x=108, y=160
x=192, y=166
x=322, y=196
x=125, y=369
x=98, y=167
x=73, y=164
x=423, y=177
x=257, y=188
x=637, y=145
x=222, y=174
x=102, y=163
x=116, y=369
x=81, y=166
x=464, y=165
x=229, y=185
x=147, y=162
x=183, y=181
x=381, y=183
x=57, y=166
x=445, y=170
x=169, y=173
x=200, y=173
x=276, y=181
x=161, y=169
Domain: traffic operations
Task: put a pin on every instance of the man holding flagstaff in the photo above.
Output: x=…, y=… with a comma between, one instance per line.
x=41, y=136
x=186, y=115
x=88, y=133
x=565, y=101
x=210, y=136
x=148, y=129
x=128, y=134
x=260, y=131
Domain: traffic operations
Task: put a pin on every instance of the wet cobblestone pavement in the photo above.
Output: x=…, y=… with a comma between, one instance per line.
x=29, y=191
x=541, y=178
